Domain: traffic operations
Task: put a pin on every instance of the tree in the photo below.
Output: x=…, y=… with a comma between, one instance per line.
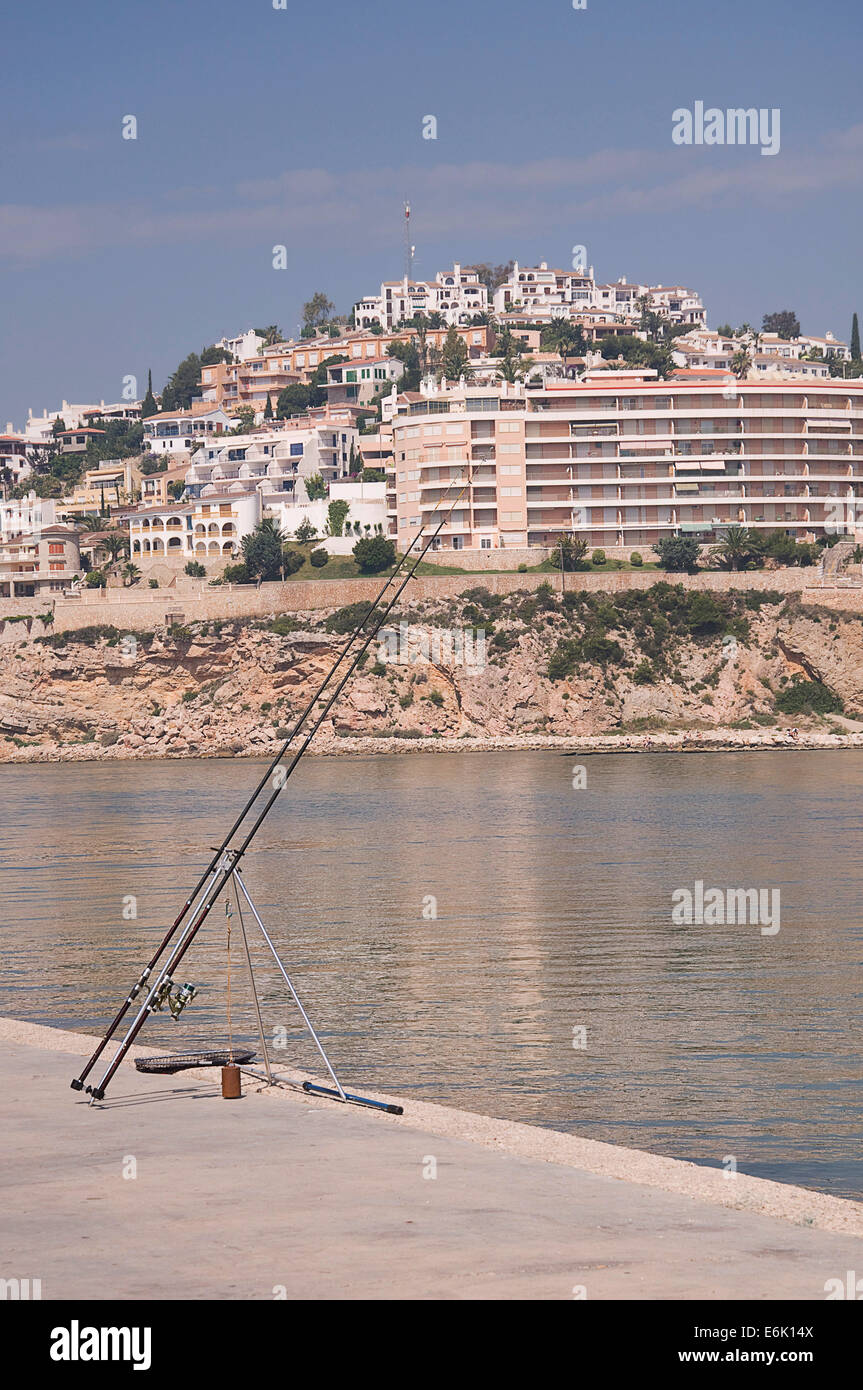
x=492, y=276
x=212, y=354
x=316, y=488
x=563, y=337
x=131, y=574
x=654, y=355
x=268, y=408
x=294, y=400
x=785, y=323
x=195, y=570
x=336, y=513
x=115, y=543
x=678, y=552
x=374, y=553
x=305, y=532
x=855, y=339
x=262, y=550
x=176, y=488
x=454, y=357
x=725, y=330
x=271, y=334
x=182, y=384
x=317, y=310
x=739, y=549
x=148, y=404
x=740, y=363
x=573, y=550
x=245, y=420
x=407, y=353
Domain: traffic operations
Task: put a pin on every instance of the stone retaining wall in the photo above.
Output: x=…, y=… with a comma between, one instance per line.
x=143, y=610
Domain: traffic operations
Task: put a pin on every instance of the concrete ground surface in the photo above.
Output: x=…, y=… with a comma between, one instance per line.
x=282, y=1194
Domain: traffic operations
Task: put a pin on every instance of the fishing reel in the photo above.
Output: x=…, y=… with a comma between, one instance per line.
x=175, y=996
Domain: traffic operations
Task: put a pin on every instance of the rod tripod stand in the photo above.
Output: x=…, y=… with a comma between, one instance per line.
x=163, y=991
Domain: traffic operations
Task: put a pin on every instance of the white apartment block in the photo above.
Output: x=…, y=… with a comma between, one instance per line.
x=574, y=294
x=623, y=458
x=244, y=346
x=25, y=516
x=202, y=529
x=455, y=294
x=181, y=431
x=274, y=463
x=39, y=429
x=368, y=508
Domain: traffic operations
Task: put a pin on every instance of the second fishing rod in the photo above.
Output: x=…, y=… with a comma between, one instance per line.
x=226, y=859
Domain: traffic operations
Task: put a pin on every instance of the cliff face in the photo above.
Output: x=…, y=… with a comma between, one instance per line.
x=639, y=662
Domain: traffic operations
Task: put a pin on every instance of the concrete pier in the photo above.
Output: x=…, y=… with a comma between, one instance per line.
x=167, y=1191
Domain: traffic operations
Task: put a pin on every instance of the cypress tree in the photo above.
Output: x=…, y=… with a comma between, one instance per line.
x=855, y=340
x=148, y=405
x=268, y=408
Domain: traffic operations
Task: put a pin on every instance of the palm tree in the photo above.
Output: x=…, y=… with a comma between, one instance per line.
x=89, y=523
x=738, y=550
x=115, y=543
x=131, y=574
x=740, y=363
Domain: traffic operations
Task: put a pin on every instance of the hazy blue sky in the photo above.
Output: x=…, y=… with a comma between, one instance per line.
x=303, y=127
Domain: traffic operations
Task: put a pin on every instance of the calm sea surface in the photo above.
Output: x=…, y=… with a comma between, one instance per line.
x=553, y=915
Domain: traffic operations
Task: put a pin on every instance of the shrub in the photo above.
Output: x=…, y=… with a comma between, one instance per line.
x=636, y=559
x=600, y=650
x=406, y=700
x=522, y=569
x=379, y=669
x=598, y=557
x=154, y=583
x=678, y=552
x=563, y=660
x=234, y=574
x=283, y=626
x=293, y=560
x=435, y=697
x=319, y=558
x=346, y=619
x=94, y=579
x=195, y=569
x=704, y=616
x=644, y=673
x=374, y=554
x=808, y=697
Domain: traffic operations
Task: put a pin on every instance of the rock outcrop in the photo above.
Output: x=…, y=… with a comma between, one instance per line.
x=629, y=665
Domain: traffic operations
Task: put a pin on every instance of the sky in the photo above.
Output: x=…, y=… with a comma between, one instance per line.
x=303, y=127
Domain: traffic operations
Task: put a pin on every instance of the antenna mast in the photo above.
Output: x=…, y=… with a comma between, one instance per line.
x=409, y=250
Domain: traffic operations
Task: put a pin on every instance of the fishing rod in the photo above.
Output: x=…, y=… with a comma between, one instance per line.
x=225, y=860
x=219, y=850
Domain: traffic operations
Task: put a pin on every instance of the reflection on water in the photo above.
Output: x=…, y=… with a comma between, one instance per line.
x=553, y=914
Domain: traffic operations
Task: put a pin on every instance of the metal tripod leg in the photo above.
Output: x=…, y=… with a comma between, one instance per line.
x=238, y=880
x=254, y=986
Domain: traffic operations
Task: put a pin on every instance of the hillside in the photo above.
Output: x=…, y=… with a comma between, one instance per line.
x=595, y=664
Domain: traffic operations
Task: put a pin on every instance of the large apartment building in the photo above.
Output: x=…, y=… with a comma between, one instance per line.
x=455, y=294
x=549, y=293
x=623, y=458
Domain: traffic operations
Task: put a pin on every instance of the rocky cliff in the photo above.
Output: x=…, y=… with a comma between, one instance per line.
x=594, y=664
